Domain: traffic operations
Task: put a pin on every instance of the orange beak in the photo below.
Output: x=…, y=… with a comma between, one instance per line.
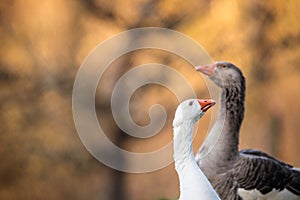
x=206, y=104
x=208, y=70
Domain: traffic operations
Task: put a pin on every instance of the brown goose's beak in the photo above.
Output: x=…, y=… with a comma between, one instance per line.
x=206, y=104
x=208, y=70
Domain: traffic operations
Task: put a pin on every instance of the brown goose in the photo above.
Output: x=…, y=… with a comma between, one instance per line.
x=246, y=174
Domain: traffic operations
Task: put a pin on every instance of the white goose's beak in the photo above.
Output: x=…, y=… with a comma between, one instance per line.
x=208, y=70
x=206, y=104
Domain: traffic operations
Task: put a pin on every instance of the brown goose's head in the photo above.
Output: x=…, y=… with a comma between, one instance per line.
x=224, y=74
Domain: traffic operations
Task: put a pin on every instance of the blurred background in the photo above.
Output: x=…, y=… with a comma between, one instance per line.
x=43, y=44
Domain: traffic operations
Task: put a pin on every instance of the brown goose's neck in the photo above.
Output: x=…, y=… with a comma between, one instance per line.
x=226, y=128
x=232, y=100
x=232, y=110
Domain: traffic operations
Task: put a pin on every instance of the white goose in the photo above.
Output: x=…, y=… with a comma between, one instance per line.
x=193, y=183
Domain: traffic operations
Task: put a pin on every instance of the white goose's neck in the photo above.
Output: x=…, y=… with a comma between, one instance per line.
x=183, y=148
x=193, y=183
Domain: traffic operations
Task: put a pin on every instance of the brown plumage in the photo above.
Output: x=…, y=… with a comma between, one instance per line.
x=227, y=168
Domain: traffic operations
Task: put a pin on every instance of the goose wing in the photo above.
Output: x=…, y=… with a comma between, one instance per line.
x=257, y=170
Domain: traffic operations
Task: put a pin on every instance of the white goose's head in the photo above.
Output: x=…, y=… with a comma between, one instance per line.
x=191, y=110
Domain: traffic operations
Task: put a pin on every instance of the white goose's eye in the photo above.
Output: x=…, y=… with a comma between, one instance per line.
x=191, y=103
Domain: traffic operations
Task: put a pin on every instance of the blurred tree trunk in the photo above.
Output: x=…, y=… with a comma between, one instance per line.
x=148, y=12
x=262, y=16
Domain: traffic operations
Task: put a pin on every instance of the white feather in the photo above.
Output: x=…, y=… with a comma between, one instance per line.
x=193, y=183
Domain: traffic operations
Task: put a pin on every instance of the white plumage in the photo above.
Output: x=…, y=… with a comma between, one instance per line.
x=193, y=183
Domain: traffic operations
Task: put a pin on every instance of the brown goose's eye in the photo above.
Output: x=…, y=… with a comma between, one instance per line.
x=223, y=66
